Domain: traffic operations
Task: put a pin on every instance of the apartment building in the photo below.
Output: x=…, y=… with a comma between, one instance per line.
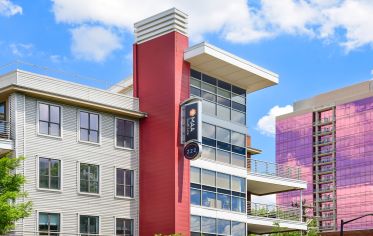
x=329, y=137
x=113, y=162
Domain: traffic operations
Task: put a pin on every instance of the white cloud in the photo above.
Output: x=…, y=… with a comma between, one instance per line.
x=346, y=22
x=267, y=124
x=268, y=199
x=21, y=49
x=93, y=43
x=7, y=8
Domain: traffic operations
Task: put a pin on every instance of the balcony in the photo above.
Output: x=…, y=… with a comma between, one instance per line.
x=263, y=218
x=6, y=144
x=266, y=178
x=325, y=121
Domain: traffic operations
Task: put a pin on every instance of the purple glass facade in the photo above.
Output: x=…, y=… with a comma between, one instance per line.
x=295, y=139
x=294, y=148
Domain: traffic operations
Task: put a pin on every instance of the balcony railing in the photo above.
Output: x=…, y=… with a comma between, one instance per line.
x=274, y=211
x=273, y=169
x=4, y=130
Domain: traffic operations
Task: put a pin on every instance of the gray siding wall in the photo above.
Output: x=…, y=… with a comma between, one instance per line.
x=68, y=202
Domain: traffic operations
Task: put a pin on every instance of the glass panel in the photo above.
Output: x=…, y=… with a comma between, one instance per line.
x=195, y=223
x=224, y=93
x=55, y=183
x=238, y=204
x=195, y=91
x=129, y=177
x=83, y=134
x=119, y=226
x=208, y=225
x=94, y=173
x=223, y=112
x=238, y=117
x=239, y=107
x=238, y=229
x=224, y=85
x=120, y=190
x=238, y=91
x=208, y=79
x=208, y=108
x=208, y=130
x=43, y=166
x=54, y=220
x=129, y=191
x=195, y=197
x=84, y=120
x=238, y=160
x=55, y=114
x=83, y=224
x=208, y=153
x=44, y=182
x=120, y=176
x=224, y=101
x=224, y=227
x=195, y=74
x=209, y=88
x=238, y=139
x=238, y=184
x=223, y=202
x=43, y=112
x=93, y=225
x=128, y=224
x=2, y=111
x=54, y=129
x=195, y=82
x=195, y=175
x=93, y=136
x=43, y=127
x=223, y=135
x=208, y=199
x=223, y=181
x=208, y=96
x=223, y=156
x=239, y=99
x=208, y=178
x=93, y=122
x=224, y=146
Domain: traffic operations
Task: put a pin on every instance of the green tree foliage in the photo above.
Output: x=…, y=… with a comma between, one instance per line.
x=312, y=231
x=10, y=190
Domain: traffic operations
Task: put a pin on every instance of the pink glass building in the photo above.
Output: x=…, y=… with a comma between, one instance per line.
x=330, y=136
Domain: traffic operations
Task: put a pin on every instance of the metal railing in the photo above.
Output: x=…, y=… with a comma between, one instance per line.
x=273, y=169
x=4, y=130
x=274, y=211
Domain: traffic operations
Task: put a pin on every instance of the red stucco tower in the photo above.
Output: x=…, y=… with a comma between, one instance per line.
x=161, y=82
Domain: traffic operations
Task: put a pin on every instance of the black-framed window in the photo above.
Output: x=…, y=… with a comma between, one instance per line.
x=220, y=98
x=124, y=227
x=89, y=225
x=89, y=178
x=125, y=133
x=49, y=224
x=49, y=173
x=124, y=182
x=89, y=127
x=49, y=119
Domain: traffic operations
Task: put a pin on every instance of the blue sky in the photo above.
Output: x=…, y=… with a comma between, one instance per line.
x=314, y=45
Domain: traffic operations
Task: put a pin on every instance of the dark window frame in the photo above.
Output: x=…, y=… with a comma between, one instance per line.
x=49, y=122
x=89, y=217
x=132, y=138
x=89, y=129
x=49, y=173
x=49, y=231
x=132, y=223
x=89, y=181
x=125, y=184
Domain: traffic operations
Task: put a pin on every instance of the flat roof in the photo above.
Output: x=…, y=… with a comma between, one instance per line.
x=229, y=68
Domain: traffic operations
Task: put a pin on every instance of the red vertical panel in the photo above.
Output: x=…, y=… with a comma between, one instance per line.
x=161, y=80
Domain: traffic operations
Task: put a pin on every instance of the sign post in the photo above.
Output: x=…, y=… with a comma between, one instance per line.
x=191, y=128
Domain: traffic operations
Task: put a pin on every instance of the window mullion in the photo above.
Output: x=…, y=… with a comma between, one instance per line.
x=49, y=174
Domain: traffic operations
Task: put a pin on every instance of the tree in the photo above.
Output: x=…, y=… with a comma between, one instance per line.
x=10, y=190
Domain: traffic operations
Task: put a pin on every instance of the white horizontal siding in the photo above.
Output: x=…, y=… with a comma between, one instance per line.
x=70, y=151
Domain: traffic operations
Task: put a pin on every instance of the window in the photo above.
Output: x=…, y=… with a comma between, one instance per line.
x=238, y=160
x=208, y=153
x=125, y=133
x=238, y=204
x=208, y=177
x=223, y=181
x=195, y=197
x=208, y=199
x=223, y=201
x=223, y=156
x=238, y=229
x=89, y=178
x=89, y=225
x=208, y=130
x=195, y=175
x=224, y=227
x=49, y=119
x=89, y=127
x=124, y=227
x=208, y=225
x=125, y=183
x=238, y=184
x=195, y=224
x=238, y=139
x=49, y=223
x=49, y=173
x=223, y=135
